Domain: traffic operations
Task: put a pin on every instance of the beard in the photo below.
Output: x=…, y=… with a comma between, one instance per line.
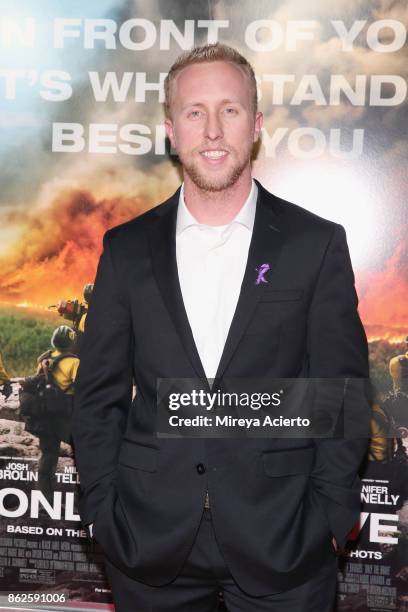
x=210, y=181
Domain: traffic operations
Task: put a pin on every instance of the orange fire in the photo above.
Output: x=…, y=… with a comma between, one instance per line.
x=384, y=298
x=58, y=252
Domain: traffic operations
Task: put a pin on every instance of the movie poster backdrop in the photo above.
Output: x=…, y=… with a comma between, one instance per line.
x=83, y=148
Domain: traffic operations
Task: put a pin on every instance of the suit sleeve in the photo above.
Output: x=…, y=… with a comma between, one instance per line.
x=103, y=390
x=337, y=348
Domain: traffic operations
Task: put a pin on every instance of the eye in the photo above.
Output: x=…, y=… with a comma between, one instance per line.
x=195, y=114
x=231, y=111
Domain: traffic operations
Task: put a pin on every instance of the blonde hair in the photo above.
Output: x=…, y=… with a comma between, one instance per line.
x=209, y=53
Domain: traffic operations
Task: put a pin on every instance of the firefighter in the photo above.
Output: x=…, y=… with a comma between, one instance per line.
x=399, y=372
x=87, y=296
x=381, y=442
x=74, y=310
x=59, y=366
x=5, y=382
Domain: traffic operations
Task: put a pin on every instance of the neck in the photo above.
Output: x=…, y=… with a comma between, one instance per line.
x=217, y=207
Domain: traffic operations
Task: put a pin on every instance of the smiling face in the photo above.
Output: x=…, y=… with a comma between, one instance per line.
x=213, y=125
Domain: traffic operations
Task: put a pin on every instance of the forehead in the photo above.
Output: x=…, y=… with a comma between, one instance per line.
x=209, y=80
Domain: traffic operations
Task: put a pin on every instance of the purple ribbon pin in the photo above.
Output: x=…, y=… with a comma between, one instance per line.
x=262, y=270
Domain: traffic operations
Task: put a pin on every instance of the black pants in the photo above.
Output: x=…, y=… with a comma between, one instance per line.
x=50, y=449
x=205, y=575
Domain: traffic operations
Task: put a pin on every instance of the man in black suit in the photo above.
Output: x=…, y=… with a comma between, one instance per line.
x=222, y=280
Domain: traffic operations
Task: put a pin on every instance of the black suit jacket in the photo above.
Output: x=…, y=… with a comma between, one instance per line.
x=275, y=503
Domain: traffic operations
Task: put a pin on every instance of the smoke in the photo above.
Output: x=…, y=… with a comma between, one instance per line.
x=58, y=250
x=383, y=302
x=57, y=241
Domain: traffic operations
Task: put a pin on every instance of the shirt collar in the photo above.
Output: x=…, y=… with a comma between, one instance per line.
x=245, y=216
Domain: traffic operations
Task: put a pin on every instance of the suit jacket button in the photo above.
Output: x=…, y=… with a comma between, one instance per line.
x=200, y=467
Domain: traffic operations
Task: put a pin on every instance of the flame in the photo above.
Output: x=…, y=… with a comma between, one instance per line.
x=58, y=249
x=384, y=298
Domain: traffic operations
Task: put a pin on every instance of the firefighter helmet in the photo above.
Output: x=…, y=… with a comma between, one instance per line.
x=88, y=292
x=63, y=337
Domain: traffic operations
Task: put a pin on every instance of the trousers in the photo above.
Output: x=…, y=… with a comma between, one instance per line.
x=50, y=444
x=205, y=584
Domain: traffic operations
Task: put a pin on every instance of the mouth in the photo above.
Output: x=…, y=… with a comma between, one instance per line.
x=214, y=156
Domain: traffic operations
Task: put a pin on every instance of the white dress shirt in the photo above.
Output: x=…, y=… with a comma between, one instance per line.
x=211, y=263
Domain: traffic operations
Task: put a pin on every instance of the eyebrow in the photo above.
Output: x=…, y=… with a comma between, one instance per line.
x=224, y=101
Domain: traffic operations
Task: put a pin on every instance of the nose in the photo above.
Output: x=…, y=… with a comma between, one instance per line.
x=213, y=128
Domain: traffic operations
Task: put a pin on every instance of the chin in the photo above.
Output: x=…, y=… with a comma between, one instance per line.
x=213, y=183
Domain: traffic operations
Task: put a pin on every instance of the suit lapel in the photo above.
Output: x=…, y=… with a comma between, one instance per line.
x=265, y=246
x=163, y=254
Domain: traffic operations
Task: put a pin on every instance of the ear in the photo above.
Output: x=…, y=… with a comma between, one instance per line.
x=258, y=125
x=168, y=126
